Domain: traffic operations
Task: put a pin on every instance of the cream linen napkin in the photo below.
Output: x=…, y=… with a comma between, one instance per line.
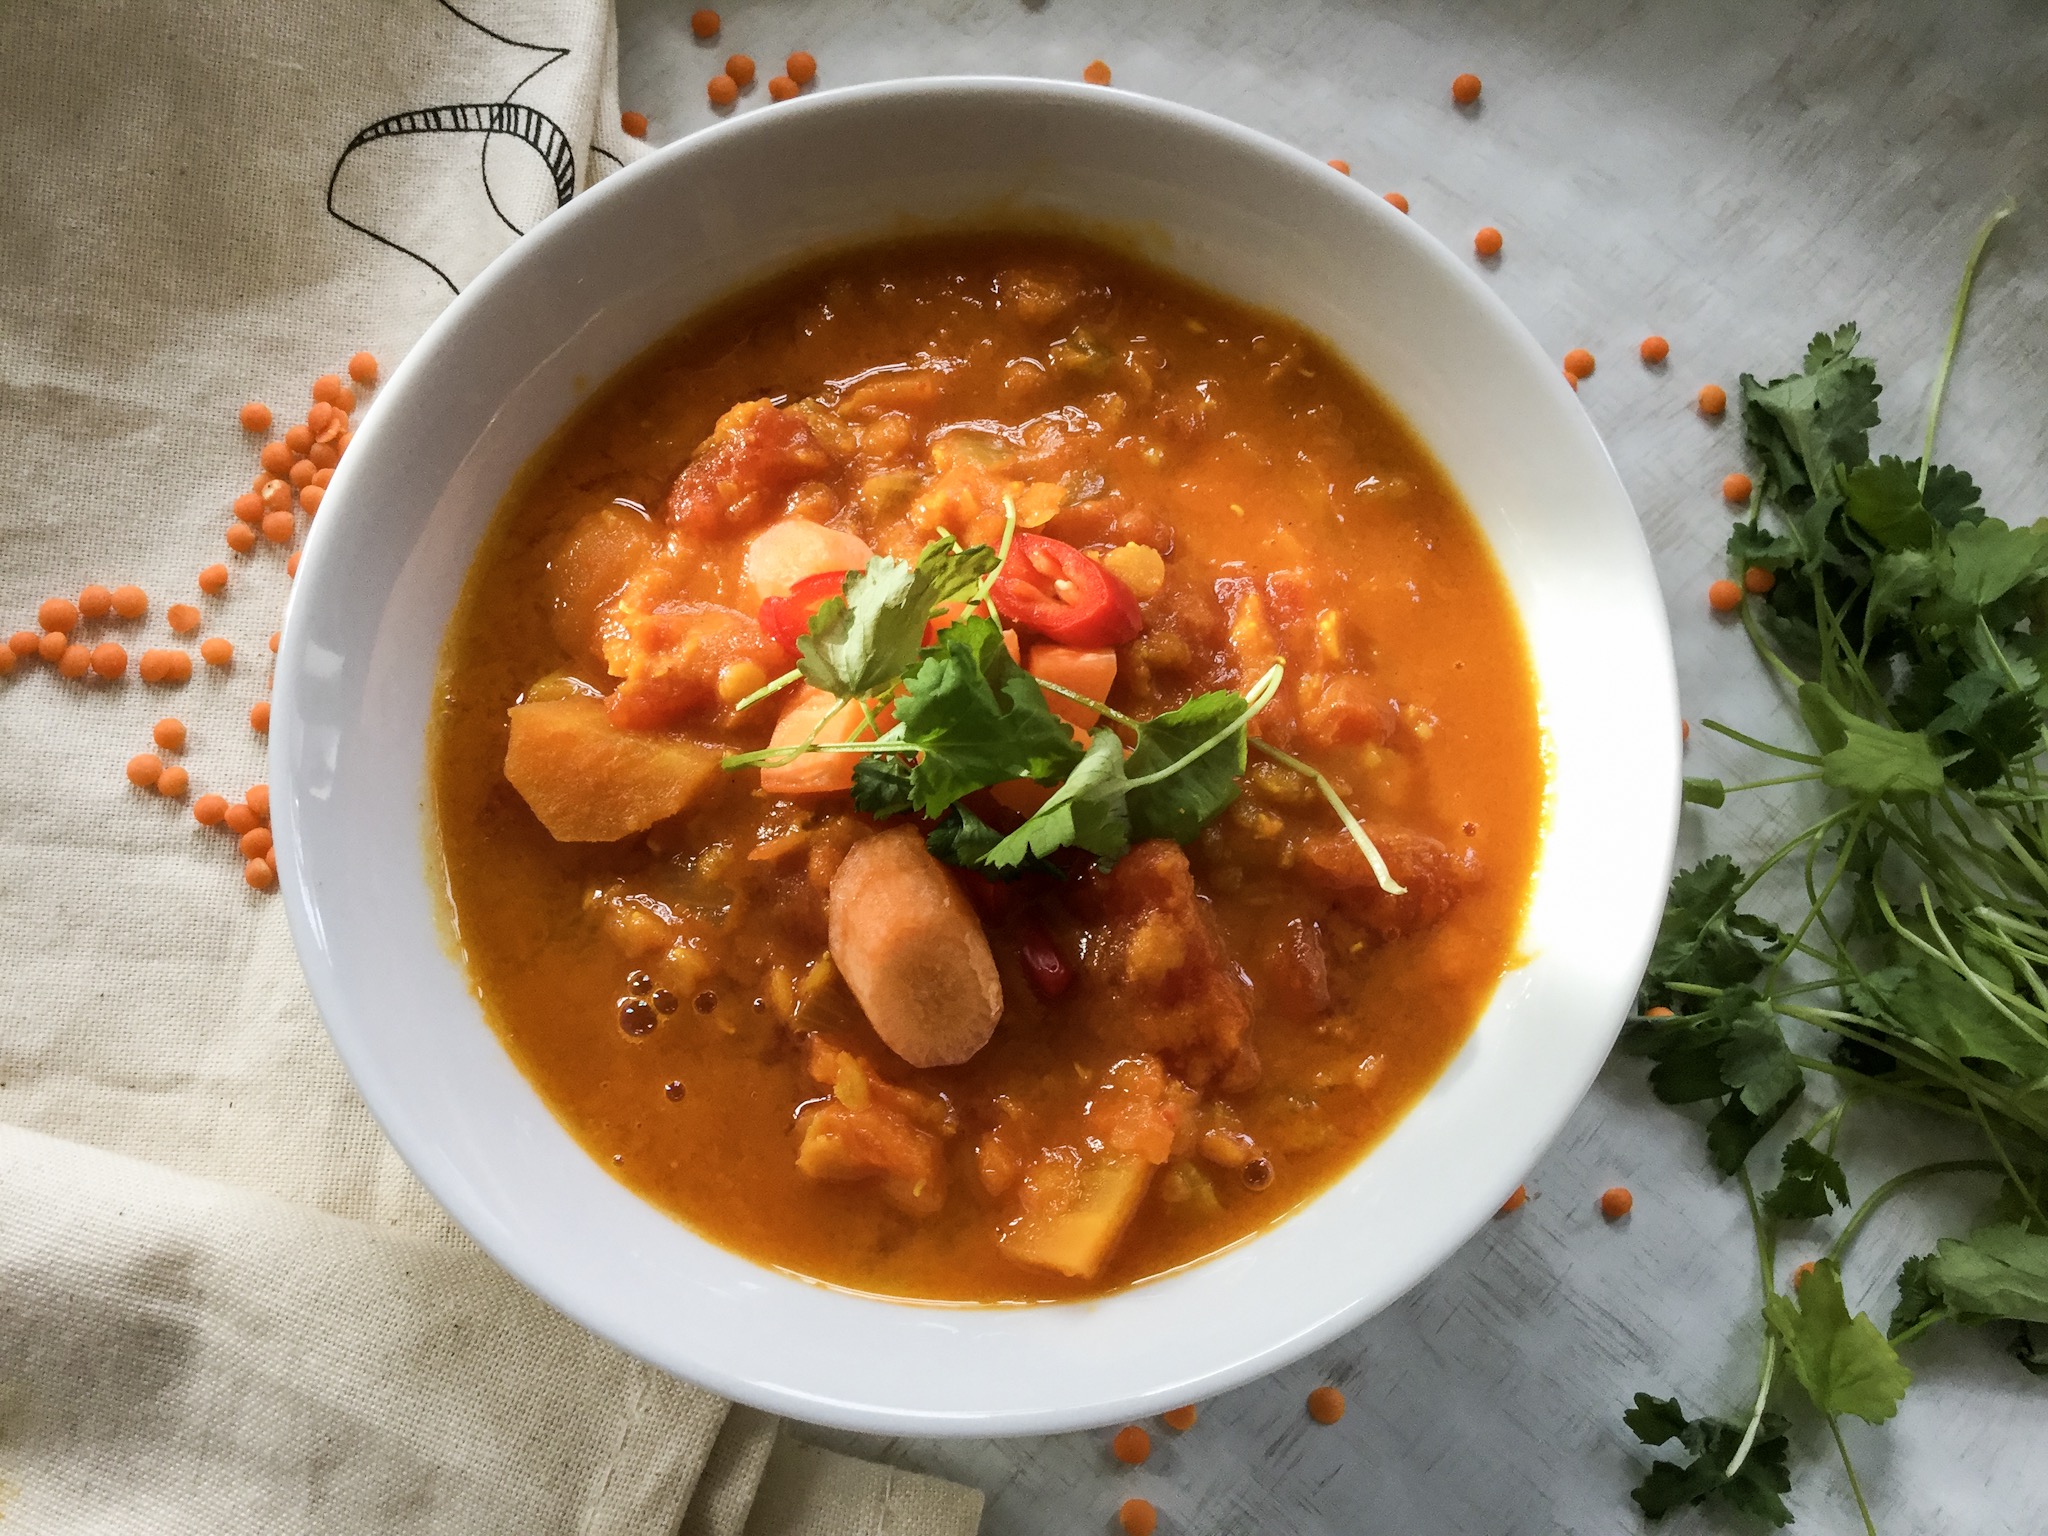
x=225, y=1305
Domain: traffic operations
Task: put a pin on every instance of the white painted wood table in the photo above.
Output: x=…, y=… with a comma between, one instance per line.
x=1733, y=176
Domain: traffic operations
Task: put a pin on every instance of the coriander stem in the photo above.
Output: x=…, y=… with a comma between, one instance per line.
x=984, y=595
x=1256, y=698
x=767, y=690
x=1848, y=1466
x=1878, y=1196
x=1955, y=329
x=1789, y=778
x=1762, y=746
x=1765, y=1257
x=1095, y=704
x=1366, y=846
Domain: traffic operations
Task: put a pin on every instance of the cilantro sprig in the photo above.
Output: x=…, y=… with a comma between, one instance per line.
x=968, y=716
x=1910, y=630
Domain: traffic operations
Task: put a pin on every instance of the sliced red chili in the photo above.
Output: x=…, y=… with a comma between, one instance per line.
x=784, y=619
x=1055, y=590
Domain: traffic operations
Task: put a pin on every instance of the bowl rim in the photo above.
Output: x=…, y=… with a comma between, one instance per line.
x=329, y=987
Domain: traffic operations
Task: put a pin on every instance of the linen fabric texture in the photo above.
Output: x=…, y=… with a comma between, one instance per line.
x=225, y=1304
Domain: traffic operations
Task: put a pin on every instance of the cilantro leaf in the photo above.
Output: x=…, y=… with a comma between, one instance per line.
x=1810, y=1177
x=1932, y=1003
x=881, y=784
x=1181, y=805
x=1883, y=499
x=1733, y=1051
x=978, y=719
x=1978, y=563
x=1918, y=1296
x=962, y=838
x=859, y=643
x=1844, y=1363
x=1807, y=424
x=1951, y=496
x=1757, y=1485
x=1087, y=811
x=1863, y=757
x=2000, y=1271
x=1899, y=580
x=1702, y=938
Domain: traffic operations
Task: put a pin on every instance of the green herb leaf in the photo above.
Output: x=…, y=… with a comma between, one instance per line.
x=1950, y=496
x=1918, y=1295
x=951, y=572
x=1087, y=812
x=1711, y=793
x=1844, y=1363
x=978, y=718
x=859, y=644
x=1866, y=758
x=962, y=838
x=1703, y=939
x=1757, y=1485
x=1810, y=1177
x=1806, y=425
x=1181, y=805
x=1732, y=1050
x=1884, y=500
x=1980, y=562
x=1934, y=1004
x=2000, y=1271
x=881, y=784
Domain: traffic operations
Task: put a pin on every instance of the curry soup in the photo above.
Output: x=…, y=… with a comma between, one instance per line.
x=871, y=1049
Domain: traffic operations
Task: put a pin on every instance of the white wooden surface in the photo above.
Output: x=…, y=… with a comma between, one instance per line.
x=1733, y=175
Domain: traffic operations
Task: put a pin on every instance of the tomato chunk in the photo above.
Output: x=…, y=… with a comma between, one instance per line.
x=1054, y=589
x=786, y=618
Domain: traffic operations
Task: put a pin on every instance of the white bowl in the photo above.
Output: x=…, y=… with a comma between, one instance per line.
x=620, y=266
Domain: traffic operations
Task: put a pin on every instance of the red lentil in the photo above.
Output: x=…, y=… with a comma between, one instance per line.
x=75, y=662
x=259, y=716
x=182, y=617
x=1736, y=487
x=216, y=651
x=58, y=613
x=1616, y=1203
x=1137, y=1517
x=1579, y=363
x=95, y=602
x=258, y=800
x=633, y=124
x=1465, y=89
x=723, y=90
x=278, y=527
x=169, y=734
x=782, y=88
x=130, y=602
x=144, y=769
x=277, y=457
x=800, y=67
x=1181, y=1419
x=1654, y=350
x=241, y=538
x=1326, y=1405
x=1514, y=1202
x=214, y=579
x=1131, y=1445
x=248, y=507
x=363, y=368
x=255, y=842
x=109, y=660
x=1398, y=199
x=210, y=810
x=311, y=497
x=1341, y=167
x=255, y=417
x=1724, y=596
x=704, y=23
x=259, y=874
x=240, y=819
x=741, y=69
x=325, y=388
x=53, y=644
x=24, y=642
x=174, y=783
x=1097, y=73
x=1487, y=243
x=1713, y=399
x=1758, y=580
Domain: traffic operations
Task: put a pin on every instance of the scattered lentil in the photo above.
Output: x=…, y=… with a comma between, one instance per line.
x=311, y=497
x=1465, y=89
x=24, y=642
x=1131, y=1445
x=633, y=124
x=1097, y=73
x=95, y=602
x=241, y=538
x=174, y=783
x=363, y=368
x=1758, y=580
x=723, y=90
x=260, y=873
x=1398, y=199
x=1137, y=1517
x=1181, y=1419
x=782, y=88
x=1736, y=487
x=255, y=417
x=169, y=734
x=109, y=660
x=1616, y=1203
x=182, y=617
x=1579, y=363
x=259, y=716
x=1724, y=596
x=1487, y=243
x=75, y=662
x=241, y=819
x=210, y=810
x=58, y=613
x=53, y=644
x=144, y=769
x=704, y=23
x=1713, y=399
x=258, y=800
x=130, y=602
x=325, y=388
x=216, y=651
x=1514, y=1202
x=1654, y=350
x=213, y=580
x=741, y=68
x=1341, y=167
x=800, y=67
x=1326, y=1405
x=255, y=842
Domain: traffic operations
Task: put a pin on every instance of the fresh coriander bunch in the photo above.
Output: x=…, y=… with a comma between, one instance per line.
x=1910, y=628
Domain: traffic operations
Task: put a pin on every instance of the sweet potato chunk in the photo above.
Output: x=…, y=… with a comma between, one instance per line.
x=679, y=661
x=1074, y=1207
x=756, y=454
x=912, y=951
x=590, y=567
x=589, y=781
x=1157, y=955
x=874, y=1129
x=1434, y=876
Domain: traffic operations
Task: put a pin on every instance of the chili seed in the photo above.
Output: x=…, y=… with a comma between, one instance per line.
x=704, y=1002
x=665, y=1001
x=674, y=1090
x=639, y=981
x=635, y=1017
x=1258, y=1173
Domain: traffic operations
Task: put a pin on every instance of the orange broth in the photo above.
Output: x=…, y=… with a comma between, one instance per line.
x=1298, y=517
